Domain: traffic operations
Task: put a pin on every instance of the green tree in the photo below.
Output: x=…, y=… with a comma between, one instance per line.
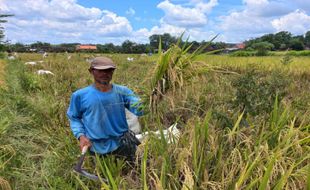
x=296, y=44
x=282, y=37
x=262, y=48
x=67, y=47
x=104, y=48
x=283, y=47
x=268, y=38
x=132, y=47
x=141, y=48
x=109, y=48
x=127, y=46
x=307, y=39
x=41, y=46
x=280, y=40
x=166, y=41
x=299, y=37
x=2, y=20
x=18, y=47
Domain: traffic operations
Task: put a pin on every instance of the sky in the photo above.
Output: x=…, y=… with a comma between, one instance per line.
x=114, y=21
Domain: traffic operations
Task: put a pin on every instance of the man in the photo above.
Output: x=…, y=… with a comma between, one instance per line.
x=97, y=113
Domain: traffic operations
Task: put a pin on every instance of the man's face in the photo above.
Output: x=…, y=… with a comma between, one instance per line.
x=102, y=76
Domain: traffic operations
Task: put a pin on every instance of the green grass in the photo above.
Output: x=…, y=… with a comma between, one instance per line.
x=2, y=67
x=215, y=151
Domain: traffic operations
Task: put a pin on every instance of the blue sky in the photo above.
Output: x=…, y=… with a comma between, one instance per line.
x=140, y=13
x=114, y=21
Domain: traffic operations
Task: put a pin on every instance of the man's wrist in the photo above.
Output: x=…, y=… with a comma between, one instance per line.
x=80, y=135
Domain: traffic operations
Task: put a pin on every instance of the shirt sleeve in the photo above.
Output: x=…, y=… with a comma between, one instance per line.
x=75, y=116
x=133, y=103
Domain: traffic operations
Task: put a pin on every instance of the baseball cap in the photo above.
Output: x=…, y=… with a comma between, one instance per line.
x=102, y=63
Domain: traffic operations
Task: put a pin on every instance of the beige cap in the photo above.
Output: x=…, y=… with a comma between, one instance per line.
x=102, y=63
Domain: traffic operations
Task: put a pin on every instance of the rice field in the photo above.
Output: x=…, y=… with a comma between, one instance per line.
x=297, y=64
x=244, y=123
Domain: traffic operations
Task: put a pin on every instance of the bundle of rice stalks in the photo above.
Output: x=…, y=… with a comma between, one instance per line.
x=174, y=68
x=2, y=68
x=4, y=184
x=6, y=154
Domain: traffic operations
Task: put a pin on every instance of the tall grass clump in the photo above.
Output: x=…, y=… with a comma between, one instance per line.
x=207, y=157
x=299, y=53
x=242, y=53
x=32, y=115
x=286, y=59
x=256, y=92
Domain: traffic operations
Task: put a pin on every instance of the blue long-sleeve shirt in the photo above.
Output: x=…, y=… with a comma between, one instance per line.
x=100, y=116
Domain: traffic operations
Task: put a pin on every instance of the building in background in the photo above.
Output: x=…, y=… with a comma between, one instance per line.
x=86, y=47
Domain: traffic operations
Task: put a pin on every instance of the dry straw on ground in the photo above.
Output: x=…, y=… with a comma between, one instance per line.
x=4, y=185
x=2, y=65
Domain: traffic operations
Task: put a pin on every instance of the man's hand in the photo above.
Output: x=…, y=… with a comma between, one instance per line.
x=84, y=141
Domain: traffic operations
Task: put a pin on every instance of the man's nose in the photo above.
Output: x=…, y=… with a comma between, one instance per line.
x=105, y=73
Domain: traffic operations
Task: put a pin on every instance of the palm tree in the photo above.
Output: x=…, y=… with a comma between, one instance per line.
x=2, y=20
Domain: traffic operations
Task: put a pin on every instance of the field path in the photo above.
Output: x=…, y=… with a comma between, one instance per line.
x=2, y=66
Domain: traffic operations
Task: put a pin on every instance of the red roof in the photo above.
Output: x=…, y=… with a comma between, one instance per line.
x=240, y=46
x=86, y=47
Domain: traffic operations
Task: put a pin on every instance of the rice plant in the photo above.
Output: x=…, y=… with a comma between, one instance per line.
x=174, y=68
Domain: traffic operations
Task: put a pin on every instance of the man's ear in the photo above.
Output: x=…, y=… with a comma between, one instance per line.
x=90, y=70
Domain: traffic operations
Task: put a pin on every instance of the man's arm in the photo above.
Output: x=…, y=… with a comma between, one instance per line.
x=75, y=117
x=134, y=103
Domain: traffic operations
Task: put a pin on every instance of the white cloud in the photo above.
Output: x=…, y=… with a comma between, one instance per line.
x=244, y=22
x=256, y=18
x=255, y=2
x=57, y=20
x=189, y=17
x=268, y=8
x=141, y=36
x=167, y=28
x=204, y=7
x=296, y=22
x=259, y=17
x=131, y=11
x=180, y=16
x=194, y=16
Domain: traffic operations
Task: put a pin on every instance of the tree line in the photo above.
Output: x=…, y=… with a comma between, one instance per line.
x=280, y=41
x=126, y=47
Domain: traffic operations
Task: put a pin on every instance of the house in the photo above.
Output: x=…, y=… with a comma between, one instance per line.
x=234, y=47
x=32, y=49
x=240, y=46
x=86, y=47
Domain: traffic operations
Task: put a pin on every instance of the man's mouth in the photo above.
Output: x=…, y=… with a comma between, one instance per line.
x=104, y=82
